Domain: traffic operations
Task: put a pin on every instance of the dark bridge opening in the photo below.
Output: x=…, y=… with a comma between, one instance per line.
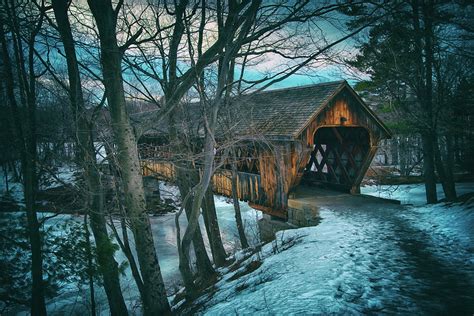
x=337, y=157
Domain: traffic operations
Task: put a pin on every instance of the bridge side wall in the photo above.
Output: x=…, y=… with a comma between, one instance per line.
x=250, y=187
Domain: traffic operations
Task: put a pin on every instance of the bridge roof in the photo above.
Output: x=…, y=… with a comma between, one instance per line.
x=282, y=112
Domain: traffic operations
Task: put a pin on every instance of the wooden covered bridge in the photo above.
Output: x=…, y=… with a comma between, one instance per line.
x=321, y=134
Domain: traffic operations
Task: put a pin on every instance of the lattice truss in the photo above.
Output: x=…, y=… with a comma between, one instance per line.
x=338, y=154
x=245, y=159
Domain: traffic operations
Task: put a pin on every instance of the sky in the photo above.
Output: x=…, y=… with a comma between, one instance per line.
x=318, y=72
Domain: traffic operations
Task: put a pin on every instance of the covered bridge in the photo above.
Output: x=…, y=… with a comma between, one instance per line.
x=321, y=134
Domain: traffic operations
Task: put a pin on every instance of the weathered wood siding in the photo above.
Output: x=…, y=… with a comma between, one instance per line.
x=280, y=170
x=161, y=169
x=249, y=186
x=345, y=110
x=347, y=106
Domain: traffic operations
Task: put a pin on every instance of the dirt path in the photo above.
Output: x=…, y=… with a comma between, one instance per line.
x=411, y=264
x=366, y=256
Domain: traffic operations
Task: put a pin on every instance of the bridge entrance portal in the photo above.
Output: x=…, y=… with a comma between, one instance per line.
x=338, y=158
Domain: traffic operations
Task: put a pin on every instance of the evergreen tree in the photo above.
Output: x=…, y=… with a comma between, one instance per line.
x=404, y=53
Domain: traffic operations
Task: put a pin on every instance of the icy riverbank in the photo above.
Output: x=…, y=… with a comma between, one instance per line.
x=402, y=260
x=412, y=193
x=363, y=259
x=73, y=299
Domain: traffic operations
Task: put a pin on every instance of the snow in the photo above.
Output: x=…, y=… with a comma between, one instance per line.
x=411, y=193
x=164, y=234
x=72, y=300
x=391, y=260
x=379, y=258
x=15, y=191
x=64, y=175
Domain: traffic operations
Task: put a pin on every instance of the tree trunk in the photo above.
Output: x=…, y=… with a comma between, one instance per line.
x=424, y=61
x=201, y=188
x=86, y=158
x=131, y=259
x=38, y=306
x=124, y=243
x=446, y=177
x=184, y=259
x=186, y=178
x=429, y=168
x=155, y=302
x=26, y=135
x=204, y=265
x=193, y=218
x=212, y=227
x=90, y=267
x=238, y=216
x=450, y=164
x=5, y=173
x=105, y=250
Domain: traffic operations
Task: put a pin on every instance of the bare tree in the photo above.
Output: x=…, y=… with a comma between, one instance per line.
x=155, y=302
x=252, y=24
x=87, y=159
x=233, y=40
x=22, y=35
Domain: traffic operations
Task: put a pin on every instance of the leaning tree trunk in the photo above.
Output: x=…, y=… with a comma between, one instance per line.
x=193, y=218
x=86, y=157
x=155, y=302
x=212, y=229
x=238, y=216
x=186, y=178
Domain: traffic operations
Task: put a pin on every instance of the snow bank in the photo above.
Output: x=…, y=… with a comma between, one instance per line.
x=411, y=193
x=392, y=260
x=15, y=191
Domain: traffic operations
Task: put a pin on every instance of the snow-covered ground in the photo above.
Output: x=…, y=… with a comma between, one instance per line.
x=15, y=191
x=374, y=258
x=73, y=300
x=366, y=260
x=411, y=193
x=164, y=233
x=63, y=175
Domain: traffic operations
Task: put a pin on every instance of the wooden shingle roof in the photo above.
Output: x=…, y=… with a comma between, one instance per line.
x=281, y=112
